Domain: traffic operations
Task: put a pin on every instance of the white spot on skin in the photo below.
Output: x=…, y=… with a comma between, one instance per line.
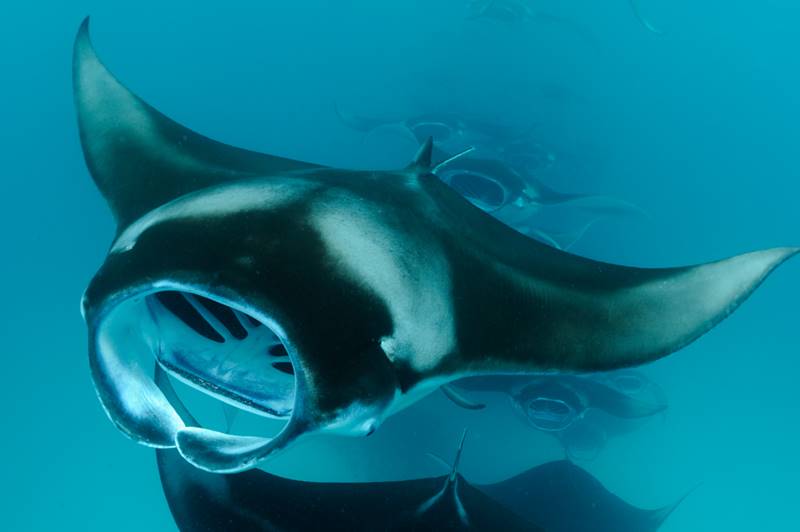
x=408, y=272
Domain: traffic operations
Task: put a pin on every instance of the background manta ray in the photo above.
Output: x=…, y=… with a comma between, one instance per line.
x=581, y=411
x=380, y=286
x=521, y=10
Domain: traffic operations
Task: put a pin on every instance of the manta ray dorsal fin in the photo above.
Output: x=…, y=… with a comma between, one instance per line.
x=138, y=157
x=423, y=161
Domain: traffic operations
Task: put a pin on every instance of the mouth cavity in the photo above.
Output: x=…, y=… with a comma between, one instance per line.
x=222, y=351
x=627, y=383
x=551, y=415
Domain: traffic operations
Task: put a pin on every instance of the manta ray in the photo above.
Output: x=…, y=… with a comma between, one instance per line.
x=332, y=298
x=511, y=11
x=579, y=410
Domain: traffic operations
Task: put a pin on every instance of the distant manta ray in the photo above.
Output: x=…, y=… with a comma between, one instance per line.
x=517, y=10
x=333, y=298
x=579, y=410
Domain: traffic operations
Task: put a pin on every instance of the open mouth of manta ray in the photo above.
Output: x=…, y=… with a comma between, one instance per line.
x=480, y=189
x=221, y=351
x=550, y=415
x=205, y=341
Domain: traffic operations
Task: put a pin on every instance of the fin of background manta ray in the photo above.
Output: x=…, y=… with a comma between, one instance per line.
x=358, y=122
x=561, y=240
x=138, y=157
x=657, y=517
x=616, y=403
x=599, y=204
x=637, y=12
x=459, y=400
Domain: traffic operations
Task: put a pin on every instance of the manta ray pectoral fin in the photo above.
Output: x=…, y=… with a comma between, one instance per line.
x=218, y=452
x=666, y=310
x=140, y=158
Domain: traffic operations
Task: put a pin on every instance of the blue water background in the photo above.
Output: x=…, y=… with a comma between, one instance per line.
x=699, y=126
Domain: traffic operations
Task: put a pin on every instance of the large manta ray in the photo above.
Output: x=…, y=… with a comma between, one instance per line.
x=333, y=298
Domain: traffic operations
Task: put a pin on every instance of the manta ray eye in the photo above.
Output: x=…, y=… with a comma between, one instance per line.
x=550, y=415
x=222, y=351
x=482, y=190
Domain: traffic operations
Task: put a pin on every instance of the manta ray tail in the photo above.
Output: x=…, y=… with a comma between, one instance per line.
x=117, y=127
x=450, y=487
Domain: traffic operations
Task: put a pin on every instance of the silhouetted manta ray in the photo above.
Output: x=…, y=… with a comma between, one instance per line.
x=258, y=501
x=559, y=494
x=379, y=286
x=519, y=10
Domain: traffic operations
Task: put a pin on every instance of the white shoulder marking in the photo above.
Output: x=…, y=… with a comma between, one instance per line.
x=407, y=271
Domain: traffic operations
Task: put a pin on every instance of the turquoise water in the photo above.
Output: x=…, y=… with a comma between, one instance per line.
x=697, y=126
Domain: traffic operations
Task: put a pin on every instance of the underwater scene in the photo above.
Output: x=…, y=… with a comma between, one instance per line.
x=397, y=265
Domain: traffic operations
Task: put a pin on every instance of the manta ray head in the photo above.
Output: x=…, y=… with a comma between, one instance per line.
x=231, y=312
